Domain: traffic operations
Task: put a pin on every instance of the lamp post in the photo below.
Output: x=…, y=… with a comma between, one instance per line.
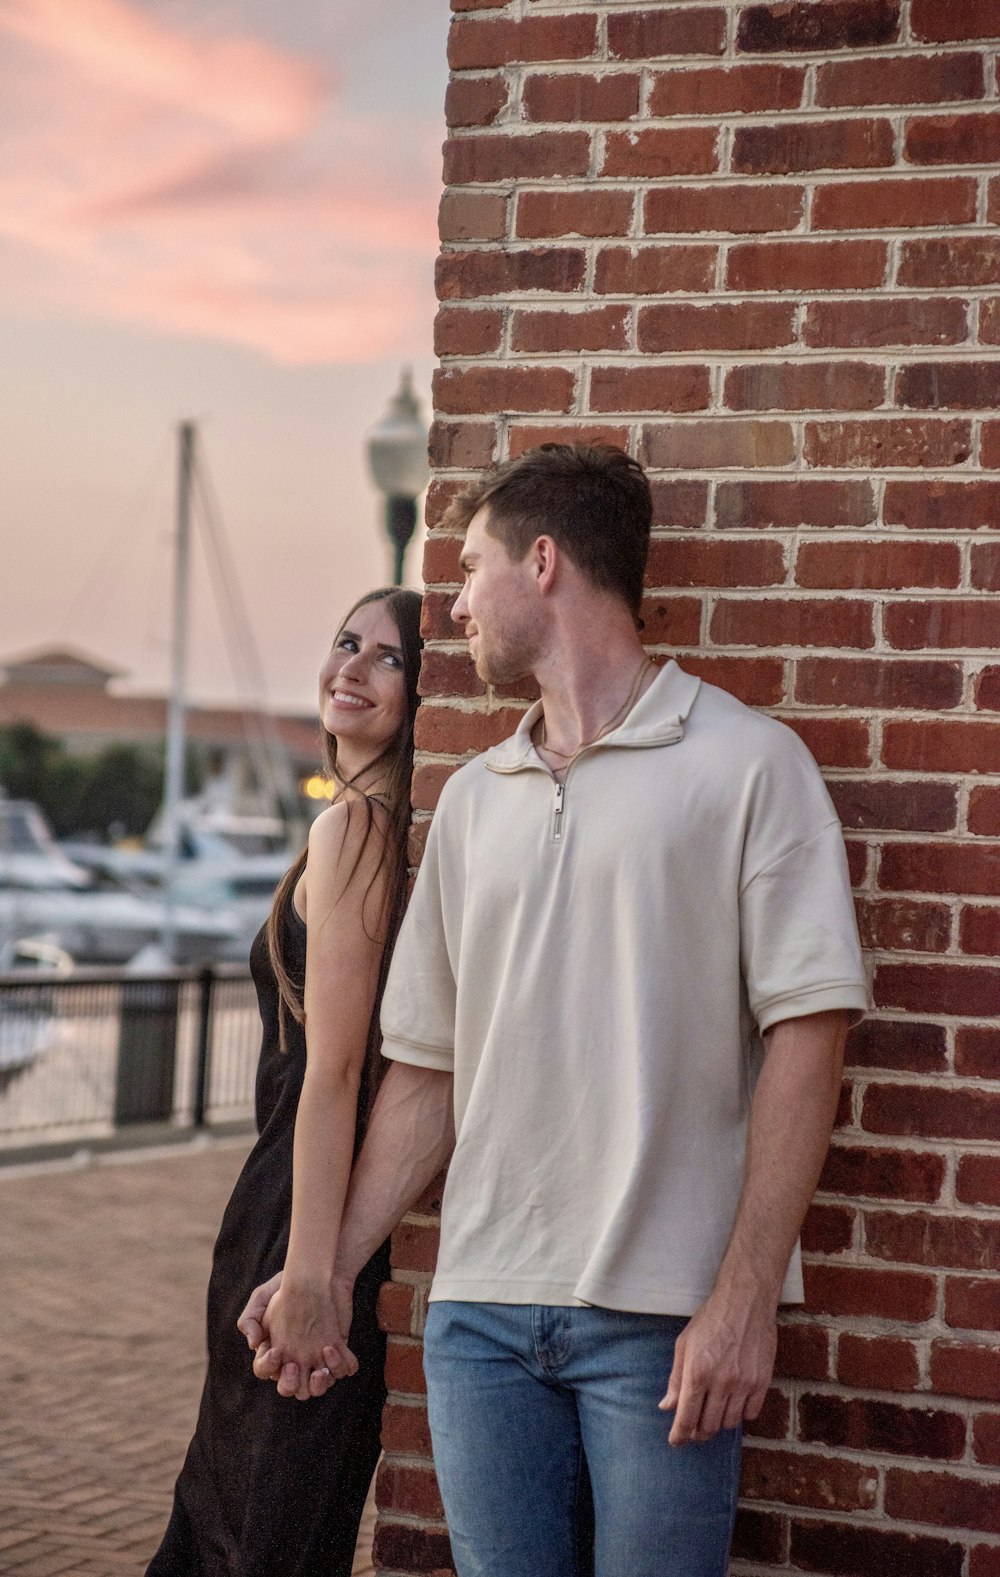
x=397, y=455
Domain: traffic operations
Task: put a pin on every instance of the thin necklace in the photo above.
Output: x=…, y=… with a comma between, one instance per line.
x=571, y=755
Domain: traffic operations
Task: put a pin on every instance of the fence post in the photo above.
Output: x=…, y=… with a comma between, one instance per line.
x=206, y=982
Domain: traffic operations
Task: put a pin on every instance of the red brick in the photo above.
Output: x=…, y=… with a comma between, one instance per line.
x=986, y=566
x=857, y=859
x=942, y=506
x=449, y=674
x=900, y=203
x=907, y=320
x=837, y=24
x=943, y=263
x=979, y=931
x=700, y=561
x=792, y=622
x=467, y=391
x=414, y=1247
x=883, y=1173
x=756, y=681
x=467, y=332
x=678, y=506
x=865, y=1551
x=940, y=868
x=429, y=778
x=941, y=22
x=398, y=1309
x=949, y=385
x=943, y=1499
x=971, y=622
x=893, y=807
x=803, y=1352
x=714, y=90
x=759, y=1535
x=581, y=97
x=893, y=441
x=858, y=1291
x=524, y=436
x=461, y=275
x=827, y=1229
x=515, y=157
x=920, y=1238
x=987, y=688
x=785, y=505
x=472, y=216
x=666, y=387
x=989, y=449
x=444, y=729
x=879, y=565
x=863, y=1425
x=404, y=1368
x=929, y=746
x=403, y=1488
x=656, y=34
x=773, y=1419
x=798, y=1479
x=405, y=1547
x=707, y=445
x=989, y=321
x=877, y=1363
x=903, y=925
x=468, y=446
x=880, y=682
x=931, y=1113
x=545, y=214
x=953, y=139
x=984, y=1560
x=661, y=150
x=972, y=1303
x=986, y=1438
x=787, y=146
x=652, y=270
x=901, y=1045
x=747, y=209
x=958, y=1370
x=984, y=812
x=416, y=843
x=727, y=326
x=671, y=621
x=807, y=265
x=474, y=101
x=566, y=329
x=804, y=386
x=977, y=1056
x=942, y=988
x=835, y=742
x=404, y=1429
x=920, y=79
x=477, y=45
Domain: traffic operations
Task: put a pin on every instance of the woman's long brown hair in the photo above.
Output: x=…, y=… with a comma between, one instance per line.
x=392, y=769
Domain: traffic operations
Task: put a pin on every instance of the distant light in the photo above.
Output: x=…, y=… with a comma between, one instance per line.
x=317, y=787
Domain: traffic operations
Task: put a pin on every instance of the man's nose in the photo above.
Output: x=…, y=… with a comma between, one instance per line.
x=459, y=608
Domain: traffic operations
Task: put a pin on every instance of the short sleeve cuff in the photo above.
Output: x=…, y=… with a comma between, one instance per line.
x=850, y=997
x=441, y=1058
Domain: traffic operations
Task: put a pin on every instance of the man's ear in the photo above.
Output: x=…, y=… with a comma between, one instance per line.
x=544, y=553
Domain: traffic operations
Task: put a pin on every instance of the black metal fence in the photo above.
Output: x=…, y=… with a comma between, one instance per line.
x=89, y=1054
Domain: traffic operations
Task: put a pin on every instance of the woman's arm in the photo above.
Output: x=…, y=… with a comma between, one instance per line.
x=345, y=889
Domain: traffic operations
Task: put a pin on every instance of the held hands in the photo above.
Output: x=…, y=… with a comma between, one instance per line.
x=723, y=1363
x=295, y=1332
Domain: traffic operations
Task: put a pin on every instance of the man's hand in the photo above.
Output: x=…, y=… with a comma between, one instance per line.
x=251, y=1321
x=723, y=1363
x=283, y=1365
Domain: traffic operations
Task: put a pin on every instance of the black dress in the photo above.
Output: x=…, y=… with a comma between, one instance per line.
x=272, y=1487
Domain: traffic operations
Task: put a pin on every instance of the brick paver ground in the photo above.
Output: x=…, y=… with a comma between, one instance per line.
x=104, y=1270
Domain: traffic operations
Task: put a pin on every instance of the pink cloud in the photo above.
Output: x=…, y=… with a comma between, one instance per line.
x=210, y=187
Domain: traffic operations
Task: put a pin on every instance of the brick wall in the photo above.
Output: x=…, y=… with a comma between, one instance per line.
x=759, y=245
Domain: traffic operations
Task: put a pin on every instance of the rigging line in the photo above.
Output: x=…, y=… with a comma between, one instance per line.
x=237, y=629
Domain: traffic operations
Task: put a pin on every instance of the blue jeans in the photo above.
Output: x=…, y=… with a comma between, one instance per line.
x=527, y=1403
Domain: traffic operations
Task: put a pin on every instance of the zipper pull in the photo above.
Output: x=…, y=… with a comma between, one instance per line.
x=557, y=819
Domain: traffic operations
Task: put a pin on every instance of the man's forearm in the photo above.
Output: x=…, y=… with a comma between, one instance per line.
x=791, y=1120
x=410, y=1137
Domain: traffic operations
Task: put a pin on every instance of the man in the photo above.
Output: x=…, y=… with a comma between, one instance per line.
x=631, y=948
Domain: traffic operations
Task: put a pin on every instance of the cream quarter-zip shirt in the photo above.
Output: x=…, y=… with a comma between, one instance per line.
x=596, y=962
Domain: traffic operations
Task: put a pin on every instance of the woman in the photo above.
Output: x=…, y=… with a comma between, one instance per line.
x=271, y=1486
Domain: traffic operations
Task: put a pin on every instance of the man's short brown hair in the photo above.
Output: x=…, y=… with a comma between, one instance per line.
x=593, y=500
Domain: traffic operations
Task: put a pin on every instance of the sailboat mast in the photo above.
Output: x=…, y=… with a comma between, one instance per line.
x=174, y=783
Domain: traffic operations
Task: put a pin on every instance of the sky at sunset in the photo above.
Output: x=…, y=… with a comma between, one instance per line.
x=224, y=211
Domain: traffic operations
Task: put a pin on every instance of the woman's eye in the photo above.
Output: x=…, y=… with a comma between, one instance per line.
x=391, y=660
x=347, y=644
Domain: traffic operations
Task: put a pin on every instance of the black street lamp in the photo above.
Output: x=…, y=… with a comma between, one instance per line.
x=397, y=454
